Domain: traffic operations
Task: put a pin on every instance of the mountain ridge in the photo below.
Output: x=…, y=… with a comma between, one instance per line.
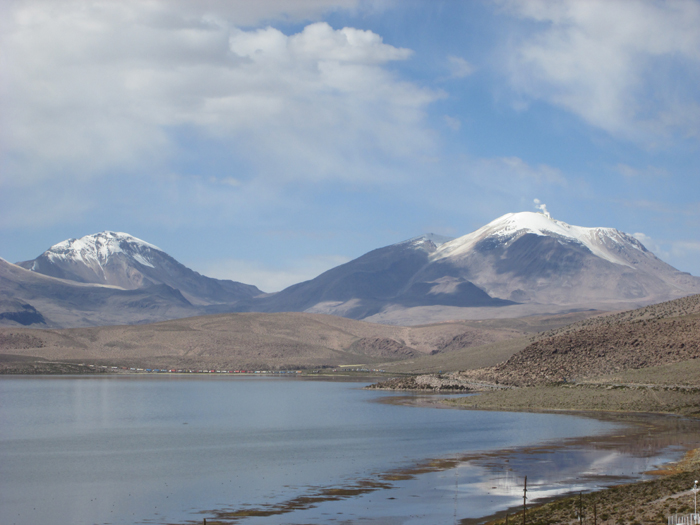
x=518, y=264
x=122, y=260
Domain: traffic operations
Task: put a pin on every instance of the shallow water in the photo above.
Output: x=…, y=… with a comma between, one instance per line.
x=259, y=450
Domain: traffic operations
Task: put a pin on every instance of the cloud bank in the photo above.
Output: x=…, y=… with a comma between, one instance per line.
x=613, y=63
x=104, y=87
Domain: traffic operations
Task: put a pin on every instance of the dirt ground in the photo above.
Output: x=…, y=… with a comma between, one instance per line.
x=597, y=397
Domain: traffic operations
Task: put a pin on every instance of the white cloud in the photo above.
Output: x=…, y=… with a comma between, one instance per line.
x=669, y=250
x=459, y=67
x=627, y=66
x=268, y=278
x=96, y=86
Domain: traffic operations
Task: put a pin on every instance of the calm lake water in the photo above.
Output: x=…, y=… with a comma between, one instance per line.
x=122, y=450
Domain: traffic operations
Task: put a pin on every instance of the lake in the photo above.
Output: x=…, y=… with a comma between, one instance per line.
x=144, y=449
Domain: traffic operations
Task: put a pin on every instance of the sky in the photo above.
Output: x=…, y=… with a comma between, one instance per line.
x=269, y=141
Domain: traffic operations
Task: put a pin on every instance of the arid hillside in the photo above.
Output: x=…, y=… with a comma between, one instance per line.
x=652, y=336
x=245, y=341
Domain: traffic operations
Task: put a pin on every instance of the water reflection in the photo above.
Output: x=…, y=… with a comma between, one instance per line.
x=164, y=450
x=481, y=484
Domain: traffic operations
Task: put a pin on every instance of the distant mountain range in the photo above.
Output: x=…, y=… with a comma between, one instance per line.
x=519, y=264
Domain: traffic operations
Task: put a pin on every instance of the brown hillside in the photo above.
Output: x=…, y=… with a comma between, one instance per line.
x=648, y=337
x=245, y=341
x=685, y=306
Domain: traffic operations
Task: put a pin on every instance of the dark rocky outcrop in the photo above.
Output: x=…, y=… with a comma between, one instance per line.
x=21, y=313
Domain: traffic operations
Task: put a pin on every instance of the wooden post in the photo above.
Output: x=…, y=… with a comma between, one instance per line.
x=524, y=499
x=580, y=507
x=595, y=515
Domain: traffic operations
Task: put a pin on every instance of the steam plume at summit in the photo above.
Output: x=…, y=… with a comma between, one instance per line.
x=542, y=207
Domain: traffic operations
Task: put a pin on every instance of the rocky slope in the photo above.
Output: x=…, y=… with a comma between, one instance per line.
x=32, y=299
x=648, y=337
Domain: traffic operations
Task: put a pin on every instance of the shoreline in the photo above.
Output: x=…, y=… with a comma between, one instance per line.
x=620, y=439
x=641, y=501
x=634, y=493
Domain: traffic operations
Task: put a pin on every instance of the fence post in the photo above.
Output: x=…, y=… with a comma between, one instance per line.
x=524, y=499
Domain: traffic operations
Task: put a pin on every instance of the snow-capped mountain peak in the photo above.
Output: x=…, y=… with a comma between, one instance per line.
x=122, y=260
x=97, y=248
x=508, y=228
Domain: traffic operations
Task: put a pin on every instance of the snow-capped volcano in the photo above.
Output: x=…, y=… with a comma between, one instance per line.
x=93, y=254
x=532, y=258
x=518, y=264
x=122, y=260
x=607, y=243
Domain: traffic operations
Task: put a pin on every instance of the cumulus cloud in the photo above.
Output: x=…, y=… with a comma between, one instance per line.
x=629, y=67
x=96, y=87
x=678, y=252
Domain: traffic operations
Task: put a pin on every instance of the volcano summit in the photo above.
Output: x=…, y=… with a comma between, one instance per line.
x=519, y=264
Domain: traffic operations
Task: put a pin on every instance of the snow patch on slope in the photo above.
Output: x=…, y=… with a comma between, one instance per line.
x=418, y=242
x=512, y=226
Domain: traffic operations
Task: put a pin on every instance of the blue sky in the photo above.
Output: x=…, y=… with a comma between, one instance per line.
x=268, y=141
